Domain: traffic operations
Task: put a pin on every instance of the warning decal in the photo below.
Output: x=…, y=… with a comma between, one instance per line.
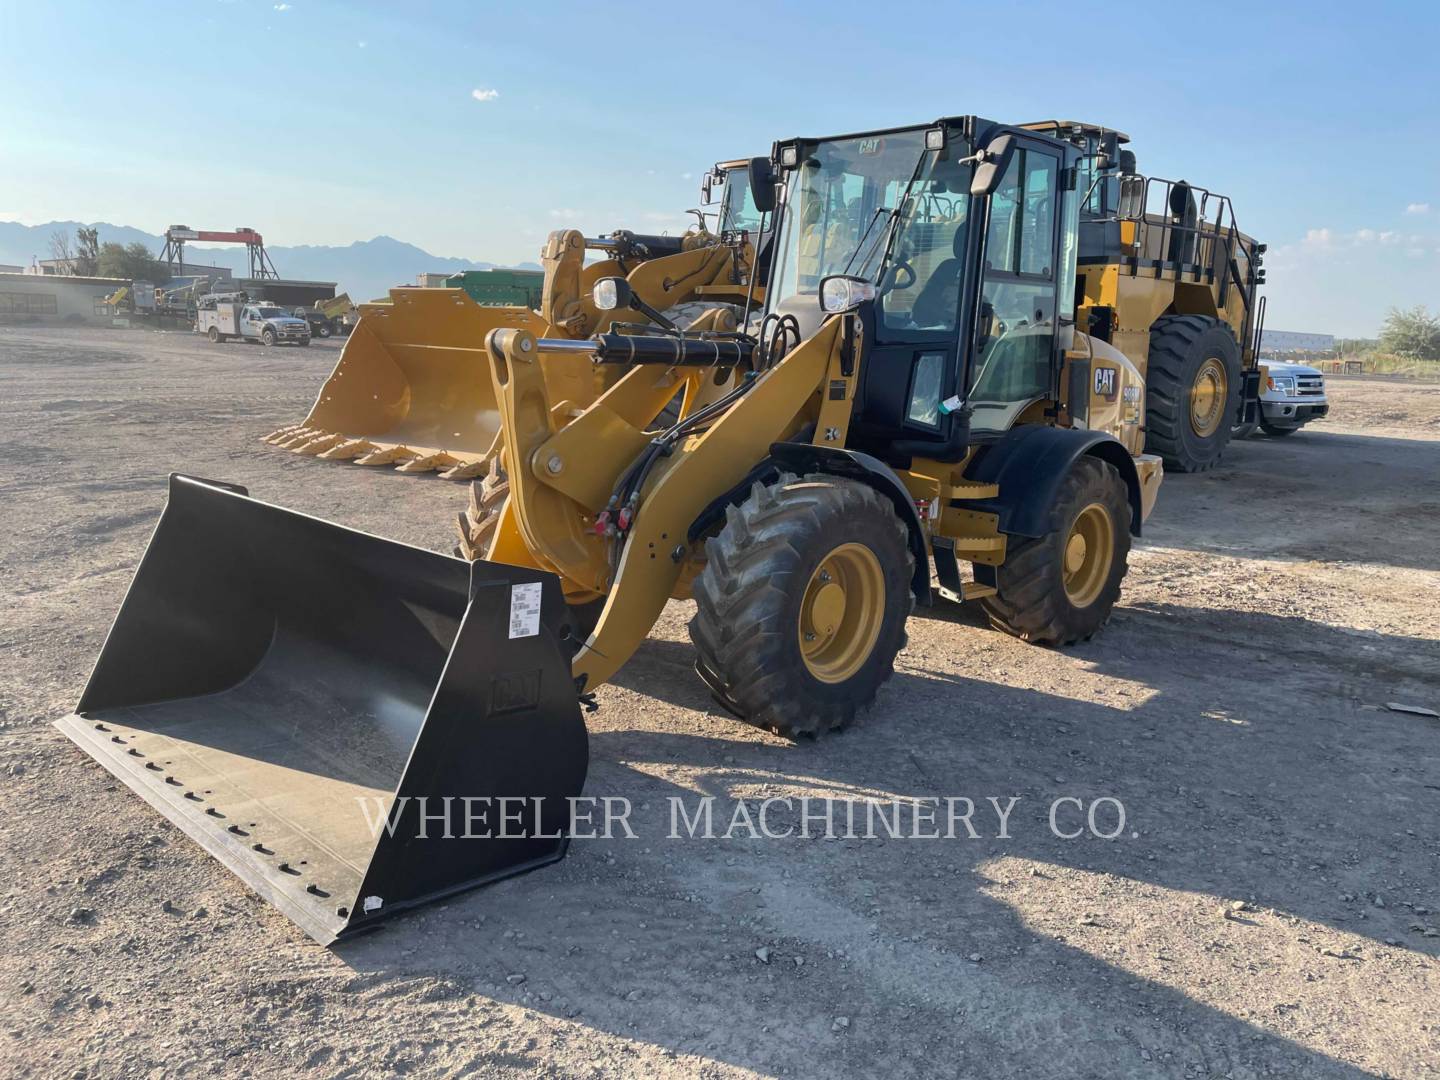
x=525, y=610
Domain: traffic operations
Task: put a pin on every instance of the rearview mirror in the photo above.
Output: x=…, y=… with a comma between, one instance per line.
x=991, y=167
x=762, y=184
x=1108, y=153
x=705, y=189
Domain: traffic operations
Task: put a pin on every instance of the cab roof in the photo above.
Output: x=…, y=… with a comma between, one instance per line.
x=1074, y=125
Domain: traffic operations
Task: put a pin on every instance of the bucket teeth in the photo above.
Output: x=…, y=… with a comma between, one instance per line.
x=387, y=457
x=299, y=438
x=428, y=463
x=350, y=448
x=281, y=434
x=466, y=470
x=315, y=447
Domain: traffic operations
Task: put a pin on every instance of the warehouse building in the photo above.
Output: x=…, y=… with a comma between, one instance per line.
x=37, y=298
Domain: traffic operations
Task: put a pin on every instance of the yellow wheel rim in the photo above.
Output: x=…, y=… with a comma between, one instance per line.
x=841, y=613
x=1208, y=395
x=1089, y=554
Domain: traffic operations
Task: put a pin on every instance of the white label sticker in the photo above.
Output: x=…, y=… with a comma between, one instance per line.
x=525, y=610
x=373, y=903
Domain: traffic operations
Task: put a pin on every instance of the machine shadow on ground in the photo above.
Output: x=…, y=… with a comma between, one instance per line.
x=1192, y=760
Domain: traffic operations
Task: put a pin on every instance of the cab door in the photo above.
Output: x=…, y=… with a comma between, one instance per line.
x=1014, y=349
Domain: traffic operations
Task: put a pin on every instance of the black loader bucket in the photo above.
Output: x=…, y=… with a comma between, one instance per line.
x=352, y=725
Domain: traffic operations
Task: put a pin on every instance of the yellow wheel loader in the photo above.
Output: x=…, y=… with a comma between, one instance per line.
x=411, y=389
x=355, y=726
x=1168, y=278
x=726, y=187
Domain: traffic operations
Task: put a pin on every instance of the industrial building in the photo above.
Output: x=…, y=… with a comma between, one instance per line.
x=26, y=298
x=1276, y=342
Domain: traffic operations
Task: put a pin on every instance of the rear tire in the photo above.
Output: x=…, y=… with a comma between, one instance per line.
x=324, y=330
x=1192, y=380
x=214, y=335
x=1050, y=590
x=801, y=606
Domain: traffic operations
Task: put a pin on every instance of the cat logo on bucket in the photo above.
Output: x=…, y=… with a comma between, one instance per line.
x=1105, y=382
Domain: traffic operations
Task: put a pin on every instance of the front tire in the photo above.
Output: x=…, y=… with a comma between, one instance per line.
x=1060, y=588
x=801, y=606
x=1192, y=380
x=267, y=337
x=214, y=335
x=476, y=526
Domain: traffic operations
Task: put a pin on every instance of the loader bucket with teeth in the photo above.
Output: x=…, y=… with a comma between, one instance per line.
x=412, y=387
x=351, y=725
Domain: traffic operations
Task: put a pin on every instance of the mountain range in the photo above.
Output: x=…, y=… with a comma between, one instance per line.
x=365, y=269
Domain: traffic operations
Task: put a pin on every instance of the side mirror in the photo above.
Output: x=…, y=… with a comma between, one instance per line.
x=1108, y=152
x=991, y=167
x=842, y=292
x=762, y=184
x=705, y=185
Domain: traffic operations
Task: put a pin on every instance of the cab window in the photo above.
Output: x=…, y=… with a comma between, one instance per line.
x=920, y=289
x=1015, y=326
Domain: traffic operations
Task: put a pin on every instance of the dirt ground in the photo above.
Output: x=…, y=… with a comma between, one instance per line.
x=1271, y=907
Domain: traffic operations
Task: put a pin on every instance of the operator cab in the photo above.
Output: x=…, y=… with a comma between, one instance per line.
x=966, y=297
x=729, y=188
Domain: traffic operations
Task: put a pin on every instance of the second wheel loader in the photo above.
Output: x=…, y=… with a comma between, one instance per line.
x=915, y=394
x=411, y=389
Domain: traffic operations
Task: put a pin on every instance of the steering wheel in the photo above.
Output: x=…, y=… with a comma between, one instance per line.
x=893, y=282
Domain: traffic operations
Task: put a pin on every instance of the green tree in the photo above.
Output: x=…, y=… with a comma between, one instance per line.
x=1413, y=333
x=132, y=261
x=87, y=251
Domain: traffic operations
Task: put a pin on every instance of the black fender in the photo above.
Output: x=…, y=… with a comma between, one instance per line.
x=804, y=458
x=1029, y=463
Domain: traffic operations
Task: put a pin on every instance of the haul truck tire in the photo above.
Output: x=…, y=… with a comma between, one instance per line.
x=1192, y=380
x=1059, y=588
x=801, y=607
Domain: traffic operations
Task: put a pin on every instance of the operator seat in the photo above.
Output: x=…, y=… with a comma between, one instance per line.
x=939, y=298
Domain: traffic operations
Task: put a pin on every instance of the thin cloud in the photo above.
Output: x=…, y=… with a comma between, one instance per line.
x=1418, y=208
x=484, y=95
x=361, y=44
x=281, y=7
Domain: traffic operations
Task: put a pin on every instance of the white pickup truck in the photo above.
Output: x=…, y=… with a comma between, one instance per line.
x=1291, y=396
x=270, y=325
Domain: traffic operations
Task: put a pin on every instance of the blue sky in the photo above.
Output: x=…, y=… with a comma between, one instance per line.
x=473, y=129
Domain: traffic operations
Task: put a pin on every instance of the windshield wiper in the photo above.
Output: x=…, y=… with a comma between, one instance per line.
x=860, y=244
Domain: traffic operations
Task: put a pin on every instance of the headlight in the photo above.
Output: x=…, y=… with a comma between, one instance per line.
x=611, y=293
x=1282, y=384
x=840, y=293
